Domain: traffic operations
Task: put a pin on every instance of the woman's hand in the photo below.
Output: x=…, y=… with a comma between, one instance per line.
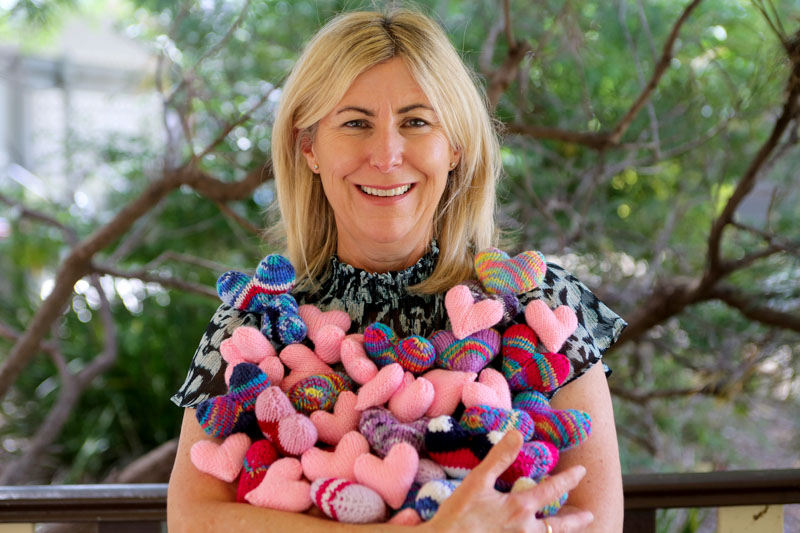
x=476, y=506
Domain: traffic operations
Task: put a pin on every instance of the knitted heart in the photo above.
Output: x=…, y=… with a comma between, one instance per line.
x=406, y=517
x=345, y=501
x=259, y=456
x=392, y=476
x=469, y=354
x=290, y=432
x=428, y=470
x=329, y=344
x=382, y=345
x=332, y=427
x=246, y=344
x=303, y=363
x=447, y=387
x=552, y=327
x=338, y=463
x=411, y=496
x=380, y=388
x=483, y=418
x=432, y=494
x=453, y=448
x=563, y=428
x=500, y=274
x=535, y=459
x=316, y=320
x=412, y=398
x=525, y=483
x=318, y=392
x=468, y=317
x=223, y=461
x=382, y=430
x=282, y=487
x=355, y=360
x=525, y=368
x=281, y=323
x=491, y=389
x=511, y=304
x=222, y=415
x=274, y=275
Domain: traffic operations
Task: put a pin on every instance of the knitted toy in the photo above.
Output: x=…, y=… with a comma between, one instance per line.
x=525, y=483
x=376, y=402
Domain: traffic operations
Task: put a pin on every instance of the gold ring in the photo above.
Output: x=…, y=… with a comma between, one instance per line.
x=548, y=526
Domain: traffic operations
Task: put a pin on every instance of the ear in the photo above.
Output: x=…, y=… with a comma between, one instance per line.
x=307, y=148
x=456, y=157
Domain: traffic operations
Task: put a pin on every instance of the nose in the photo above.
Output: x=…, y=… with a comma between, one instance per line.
x=386, y=149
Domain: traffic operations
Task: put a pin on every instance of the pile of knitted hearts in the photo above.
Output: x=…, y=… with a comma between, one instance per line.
x=369, y=426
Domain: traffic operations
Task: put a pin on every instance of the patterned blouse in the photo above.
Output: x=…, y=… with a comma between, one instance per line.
x=370, y=297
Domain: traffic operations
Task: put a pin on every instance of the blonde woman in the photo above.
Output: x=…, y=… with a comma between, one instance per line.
x=386, y=162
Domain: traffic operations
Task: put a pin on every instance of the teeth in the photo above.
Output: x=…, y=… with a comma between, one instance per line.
x=385, y=192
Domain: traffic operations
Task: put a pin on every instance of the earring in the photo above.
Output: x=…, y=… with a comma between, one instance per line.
x=452, y=165
x=316, y=167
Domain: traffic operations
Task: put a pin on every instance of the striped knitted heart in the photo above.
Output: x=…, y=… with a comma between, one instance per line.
x=470, y=354
x=432, y=494
x=232, y=412
x=527, y=369
x=482, y=419
x=281, y=323
x=319, y=392
x=274, y=275
x=564, y=428
x=535, y=460
x=414, y=353
x=383, y=430
x=501, y=274
x=259, y=456
x=348, y=502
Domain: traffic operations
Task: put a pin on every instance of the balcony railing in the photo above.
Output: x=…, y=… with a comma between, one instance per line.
x=142, y=508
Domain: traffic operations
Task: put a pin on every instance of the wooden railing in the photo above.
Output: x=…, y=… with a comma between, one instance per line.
x=752, y=501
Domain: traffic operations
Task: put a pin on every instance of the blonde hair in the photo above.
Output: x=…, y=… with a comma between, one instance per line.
x=345, y=47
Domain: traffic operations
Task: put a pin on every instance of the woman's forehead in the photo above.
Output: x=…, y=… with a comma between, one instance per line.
x=386, y=85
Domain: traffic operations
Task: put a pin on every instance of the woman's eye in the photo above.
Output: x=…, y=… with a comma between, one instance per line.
x=357, y=123
x=416, y=123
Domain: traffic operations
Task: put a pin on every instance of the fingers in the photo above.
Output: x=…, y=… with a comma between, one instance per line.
x=499, y=458
x=550, y=489
x=570, y=520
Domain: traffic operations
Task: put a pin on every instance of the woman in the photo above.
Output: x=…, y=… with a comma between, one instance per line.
x=386, y=163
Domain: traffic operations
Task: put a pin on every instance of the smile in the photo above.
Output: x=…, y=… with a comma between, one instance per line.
x=397, y=191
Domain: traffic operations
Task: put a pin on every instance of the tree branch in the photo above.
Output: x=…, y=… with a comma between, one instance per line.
x=749, y=307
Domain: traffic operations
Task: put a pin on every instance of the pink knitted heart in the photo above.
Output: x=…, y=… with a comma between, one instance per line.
x=552, y=327
x=246, y=344
x=329, y=344
x=468, y=317
x=500, y=274
x=380, y=388
x=282, y=487
x=491, y=389
x=290, y=432
x=355, y=360
x=331, y=427
x=447, y=386
x=316, y=320
x=303, y=363
x=270, y=365
x=392, y=476
x=338, y=463
x=223, y=461
x=412, y=398
x=406, y=517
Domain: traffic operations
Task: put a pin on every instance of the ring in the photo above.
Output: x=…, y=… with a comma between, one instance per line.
x=548, y=526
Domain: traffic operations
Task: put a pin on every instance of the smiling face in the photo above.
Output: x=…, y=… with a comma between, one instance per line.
x=383, y=159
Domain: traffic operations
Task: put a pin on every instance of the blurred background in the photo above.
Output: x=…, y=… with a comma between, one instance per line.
x=650, y=146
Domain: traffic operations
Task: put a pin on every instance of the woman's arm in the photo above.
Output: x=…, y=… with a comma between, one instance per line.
x=600, y=491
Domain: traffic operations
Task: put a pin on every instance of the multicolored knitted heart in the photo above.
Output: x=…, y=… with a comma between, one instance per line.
x=346, y=501
x=483, y=418
x=230, y=413
x=280, y=322
x=432, y=494
x=319, y=392
x=527, y=369
x=274, y=275
x=552, y=327
x=467, y=316
x=259, y=456
x=501, y=274
x=383, y=430
x=221, y=460
x=525, y=483
x=382, y=345
x=469, y=354
x=565, y=429
x=535, y=460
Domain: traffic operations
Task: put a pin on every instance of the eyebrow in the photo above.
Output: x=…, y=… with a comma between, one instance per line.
x=402, y=110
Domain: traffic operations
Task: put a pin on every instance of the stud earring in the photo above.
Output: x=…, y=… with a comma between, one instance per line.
x=316, y=167
x=452, y=165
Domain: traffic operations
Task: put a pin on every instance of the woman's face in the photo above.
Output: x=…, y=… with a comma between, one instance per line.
x=383, y=159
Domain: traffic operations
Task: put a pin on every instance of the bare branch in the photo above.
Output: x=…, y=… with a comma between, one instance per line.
x=749, y=307
x=171, y=255
x=507, y=23
x=145, y=275
x=240, y=220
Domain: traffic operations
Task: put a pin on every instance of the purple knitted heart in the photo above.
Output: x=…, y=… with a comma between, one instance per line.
x=469, y=354
x=382, y=430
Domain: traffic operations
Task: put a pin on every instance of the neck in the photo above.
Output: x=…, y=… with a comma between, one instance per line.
x=381, y=257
